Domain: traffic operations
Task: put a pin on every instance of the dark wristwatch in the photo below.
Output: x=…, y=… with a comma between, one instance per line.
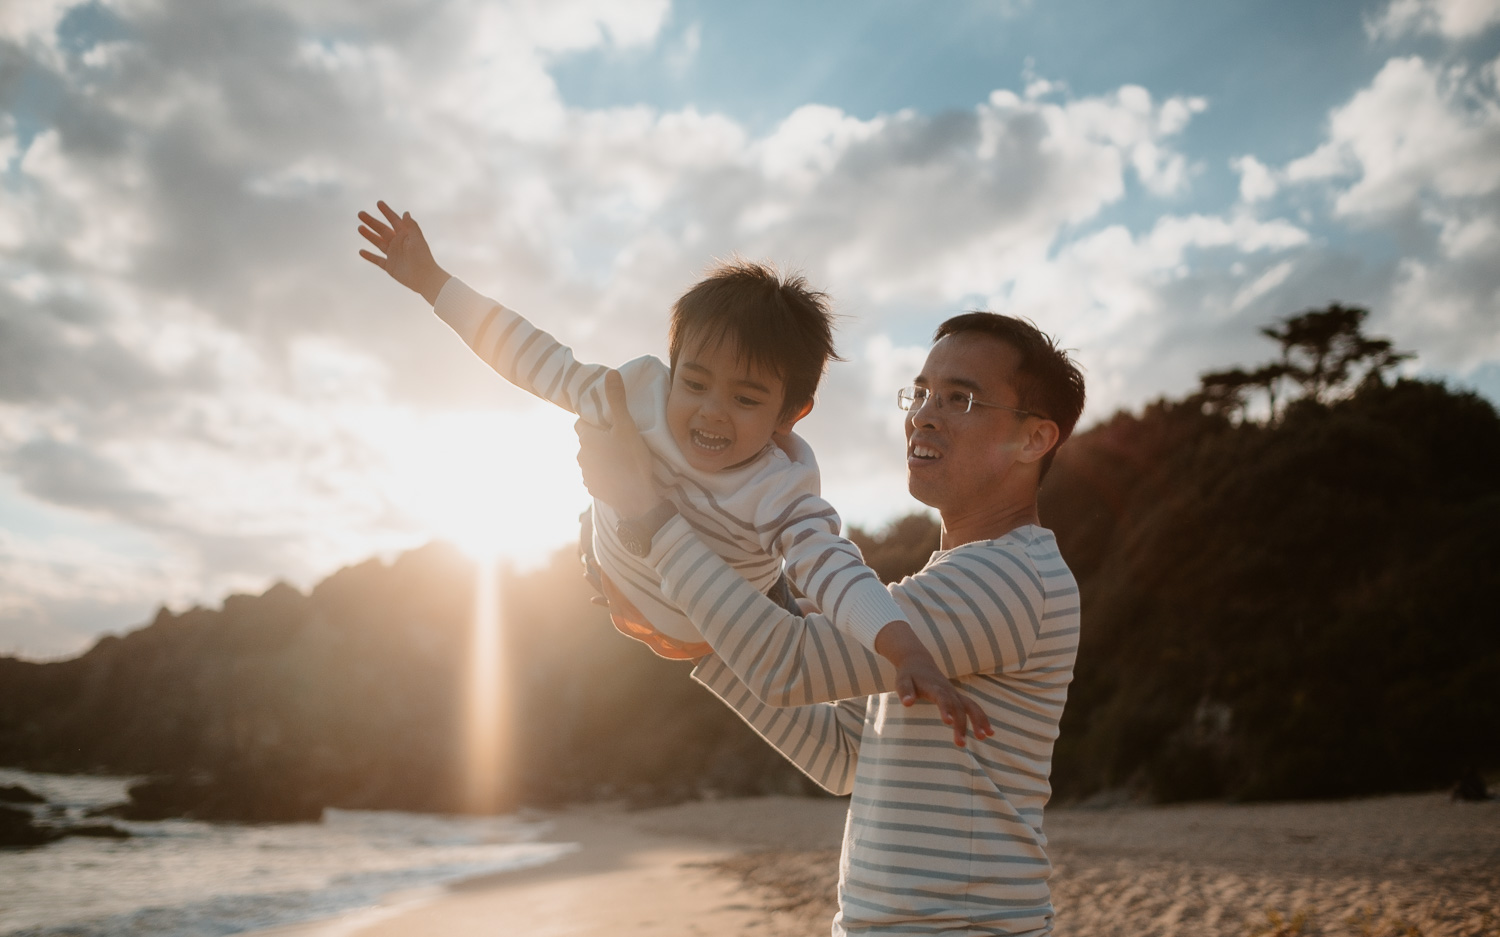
x=636, y=533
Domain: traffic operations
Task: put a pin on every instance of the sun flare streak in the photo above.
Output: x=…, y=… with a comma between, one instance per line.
x=487, y=713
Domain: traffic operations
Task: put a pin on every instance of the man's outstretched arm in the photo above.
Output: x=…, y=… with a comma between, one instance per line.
x=822, y=739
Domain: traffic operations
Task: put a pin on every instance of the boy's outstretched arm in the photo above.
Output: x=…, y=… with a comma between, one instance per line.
x=404, y=253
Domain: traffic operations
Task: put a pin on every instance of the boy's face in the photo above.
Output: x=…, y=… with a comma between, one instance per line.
x=721, y=410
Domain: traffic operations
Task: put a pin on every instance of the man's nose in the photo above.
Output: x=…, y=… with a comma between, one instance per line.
x=926, y=413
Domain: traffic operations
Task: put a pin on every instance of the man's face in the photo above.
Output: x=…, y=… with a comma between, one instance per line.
x=721, y=411
x=955, y=460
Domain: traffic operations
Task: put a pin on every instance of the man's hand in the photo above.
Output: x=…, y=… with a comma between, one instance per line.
x=404, y=253
x=918, y=677
x=616, y=463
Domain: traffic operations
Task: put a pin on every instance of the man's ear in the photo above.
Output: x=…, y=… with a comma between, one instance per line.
x=1039, y=439
x=789, y=422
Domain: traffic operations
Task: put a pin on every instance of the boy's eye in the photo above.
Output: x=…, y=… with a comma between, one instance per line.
x=744, y=401
x=696, y=387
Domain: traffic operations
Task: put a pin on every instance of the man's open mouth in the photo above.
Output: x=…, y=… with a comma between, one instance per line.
x=709, y=441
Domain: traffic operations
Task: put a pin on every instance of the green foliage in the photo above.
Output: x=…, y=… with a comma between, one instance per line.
x=353, y=696
x=901, y=548
x=1323, y=352
x=1290, y=611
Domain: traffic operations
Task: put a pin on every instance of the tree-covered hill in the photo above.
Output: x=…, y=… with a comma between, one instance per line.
x=1287, y=585
x=354, y=696
x=1298, y=605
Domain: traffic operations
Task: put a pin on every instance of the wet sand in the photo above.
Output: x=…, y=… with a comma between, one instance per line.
x=1403, y=866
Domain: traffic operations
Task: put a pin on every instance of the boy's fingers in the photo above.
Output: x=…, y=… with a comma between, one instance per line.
x=953, y=715
x=373, y=258
x=389, y=213
x=374, y=224
x=980, y=721
x=906, y=688
x=374, y=238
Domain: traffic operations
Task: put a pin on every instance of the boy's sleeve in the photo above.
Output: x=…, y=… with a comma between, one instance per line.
x=831, y=572
x=523, y=354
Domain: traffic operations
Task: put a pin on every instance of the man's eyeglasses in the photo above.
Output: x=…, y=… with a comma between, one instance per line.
x=959, y=401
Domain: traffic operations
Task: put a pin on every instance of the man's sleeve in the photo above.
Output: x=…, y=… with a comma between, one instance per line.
x=523, y=354
x=821, y=739
x=978, y=612
x=831, y=572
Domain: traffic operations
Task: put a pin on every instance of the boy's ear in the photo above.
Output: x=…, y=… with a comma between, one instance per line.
x=789, y=422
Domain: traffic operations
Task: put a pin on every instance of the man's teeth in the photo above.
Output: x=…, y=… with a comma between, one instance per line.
x=924, y=452
x=709, y=440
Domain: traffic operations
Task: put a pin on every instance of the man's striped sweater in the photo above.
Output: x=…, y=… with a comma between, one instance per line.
x=940, y=839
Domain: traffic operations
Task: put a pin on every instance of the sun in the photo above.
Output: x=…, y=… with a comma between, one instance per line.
x=497, y=484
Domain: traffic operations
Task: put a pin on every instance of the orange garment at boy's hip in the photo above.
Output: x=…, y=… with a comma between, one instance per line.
x=629, y=621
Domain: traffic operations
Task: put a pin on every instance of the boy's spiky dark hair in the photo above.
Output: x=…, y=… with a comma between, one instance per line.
x=775, y=322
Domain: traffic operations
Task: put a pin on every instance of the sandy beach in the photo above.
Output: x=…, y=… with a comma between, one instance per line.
x=1401, y=866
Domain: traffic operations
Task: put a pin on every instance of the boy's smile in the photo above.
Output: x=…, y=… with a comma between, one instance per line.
x=721, y=409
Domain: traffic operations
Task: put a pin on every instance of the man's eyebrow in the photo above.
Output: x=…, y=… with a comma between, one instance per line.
x=964, y=382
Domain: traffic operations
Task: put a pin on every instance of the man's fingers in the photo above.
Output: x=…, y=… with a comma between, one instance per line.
x=614, y=392
x=389, y=213
x=375, y=259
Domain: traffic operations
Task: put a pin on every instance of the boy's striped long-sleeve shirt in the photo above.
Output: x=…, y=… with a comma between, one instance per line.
x=755, y=517
x=940, y=839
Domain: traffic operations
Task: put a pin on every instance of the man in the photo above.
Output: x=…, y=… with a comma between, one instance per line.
x=940, y=839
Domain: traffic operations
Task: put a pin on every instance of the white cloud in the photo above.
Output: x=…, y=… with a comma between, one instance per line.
x=682, y=55
x=1418, y=130
x=1413, y=154
x=1257, y=182
x=1451, y=19
x=1261, y=285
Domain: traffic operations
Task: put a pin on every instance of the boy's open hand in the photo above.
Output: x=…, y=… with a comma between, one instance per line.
x=404, y=253
x=918, y=677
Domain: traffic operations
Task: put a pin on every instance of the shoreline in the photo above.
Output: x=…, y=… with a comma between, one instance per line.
x=1374, y=867
x=658, y=871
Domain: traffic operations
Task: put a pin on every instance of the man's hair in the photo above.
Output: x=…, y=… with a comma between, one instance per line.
x=1048, y=381
x=776, y=322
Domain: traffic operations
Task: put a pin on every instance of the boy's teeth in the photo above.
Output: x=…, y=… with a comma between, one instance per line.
x=709, y=440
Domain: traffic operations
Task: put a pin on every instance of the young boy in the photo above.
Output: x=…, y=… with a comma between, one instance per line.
x=746, y=352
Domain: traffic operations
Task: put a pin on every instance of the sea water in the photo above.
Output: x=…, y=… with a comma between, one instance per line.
x=183, y=878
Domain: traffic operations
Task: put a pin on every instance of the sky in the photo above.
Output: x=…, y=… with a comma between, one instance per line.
x=204, y=390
